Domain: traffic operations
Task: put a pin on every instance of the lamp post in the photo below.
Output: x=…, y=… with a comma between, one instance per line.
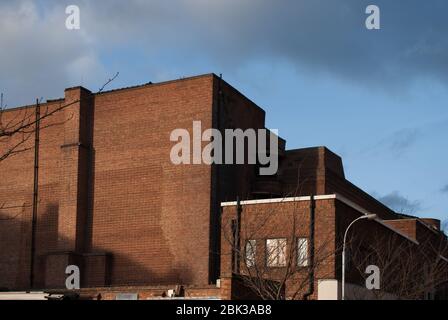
x=366, y=216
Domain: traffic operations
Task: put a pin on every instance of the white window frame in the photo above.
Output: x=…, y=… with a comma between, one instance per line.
x=276, y=252
x=302, y=252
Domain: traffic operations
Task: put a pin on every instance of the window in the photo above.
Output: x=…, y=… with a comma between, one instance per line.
x=302, y=252
x=276, y=252
x=251, y=246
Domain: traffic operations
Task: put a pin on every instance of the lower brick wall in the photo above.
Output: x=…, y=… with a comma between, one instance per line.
x=262, y=221
x=231, y=288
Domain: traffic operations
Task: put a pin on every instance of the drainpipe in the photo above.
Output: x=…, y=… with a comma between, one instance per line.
x=236, y=238
x=311, y=259
x=35, y=193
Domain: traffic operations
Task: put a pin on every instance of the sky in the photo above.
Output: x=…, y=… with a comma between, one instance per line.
x=375, y=97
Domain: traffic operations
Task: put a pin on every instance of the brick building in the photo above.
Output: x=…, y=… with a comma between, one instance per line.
x=111, y=201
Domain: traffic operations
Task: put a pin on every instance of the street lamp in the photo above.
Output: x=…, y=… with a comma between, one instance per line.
x=366, y=216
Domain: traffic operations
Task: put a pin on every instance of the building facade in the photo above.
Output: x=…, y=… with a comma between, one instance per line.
x=110, y=201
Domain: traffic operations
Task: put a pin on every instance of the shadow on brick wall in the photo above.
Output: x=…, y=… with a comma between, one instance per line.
x=97, y=266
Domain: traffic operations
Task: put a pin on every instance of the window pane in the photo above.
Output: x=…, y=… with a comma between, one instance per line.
x=302, y=252
x=276, y=252
x=250, y=253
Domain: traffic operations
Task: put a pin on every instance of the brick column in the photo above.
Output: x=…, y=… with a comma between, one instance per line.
x=74, y=169
x=74, y=180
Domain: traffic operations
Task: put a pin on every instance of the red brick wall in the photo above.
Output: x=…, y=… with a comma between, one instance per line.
x=107, y=184
x=153, y=216
x=109, y=194
x=261, y=221
x=320, y=171
x=400, y=260
x=405, y=226
x=16, y=196
x=117, y=191
x=277, y=220
x=231, y=110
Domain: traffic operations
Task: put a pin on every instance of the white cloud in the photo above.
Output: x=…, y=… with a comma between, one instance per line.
x=39, y=56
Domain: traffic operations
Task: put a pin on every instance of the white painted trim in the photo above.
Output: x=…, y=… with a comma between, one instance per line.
x=326, y=197
x=320, y=197
x=35, y=295
x=264, y=201
x=279, y=200
x=291, y=199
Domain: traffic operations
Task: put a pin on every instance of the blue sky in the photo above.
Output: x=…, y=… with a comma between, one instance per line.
x=377, y=98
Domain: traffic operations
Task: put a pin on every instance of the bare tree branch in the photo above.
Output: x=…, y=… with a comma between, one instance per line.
x=19, y=128
x=408, y=270
x=261, y=274
x=24, y=123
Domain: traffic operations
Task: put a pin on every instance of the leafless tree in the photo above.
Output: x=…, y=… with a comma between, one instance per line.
x=284, y=268
x=407, y=270
x=17, y=130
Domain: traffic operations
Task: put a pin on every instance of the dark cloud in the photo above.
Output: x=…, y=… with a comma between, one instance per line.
x=312, y=35
x=396, y=143
x=318, y=35
x=403, y=139
x=400, y=204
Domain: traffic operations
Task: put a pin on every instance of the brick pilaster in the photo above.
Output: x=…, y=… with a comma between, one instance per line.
x=74, y=169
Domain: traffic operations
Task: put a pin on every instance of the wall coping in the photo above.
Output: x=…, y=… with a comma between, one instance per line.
x=319, y=197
